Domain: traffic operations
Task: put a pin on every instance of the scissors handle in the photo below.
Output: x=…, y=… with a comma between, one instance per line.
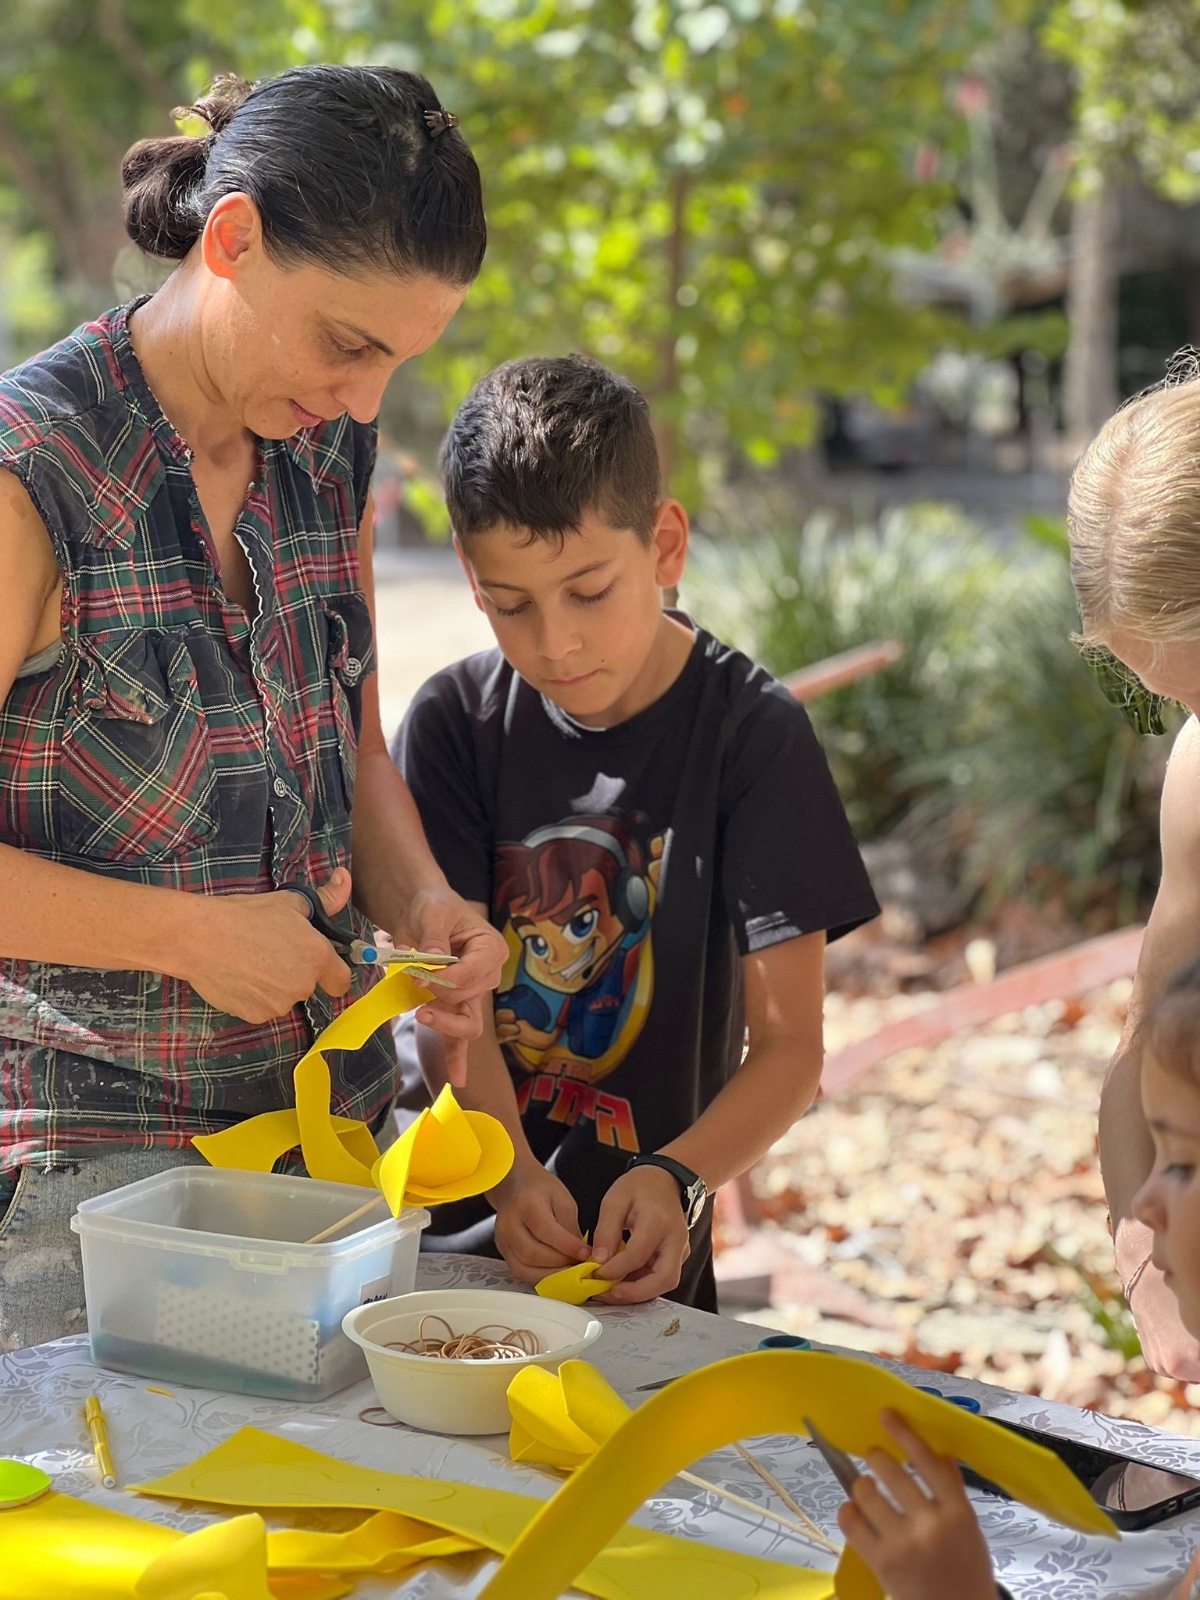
x=317, y=916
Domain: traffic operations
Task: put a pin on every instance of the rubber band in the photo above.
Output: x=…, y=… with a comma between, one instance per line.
x=513, y=1345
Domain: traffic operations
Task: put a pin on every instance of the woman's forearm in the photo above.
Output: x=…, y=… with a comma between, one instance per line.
x=391, y=862
x=75, y=918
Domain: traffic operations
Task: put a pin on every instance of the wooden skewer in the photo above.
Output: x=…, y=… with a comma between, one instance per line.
x=773, y=1482
x=810, y=1532
x=344, y=1222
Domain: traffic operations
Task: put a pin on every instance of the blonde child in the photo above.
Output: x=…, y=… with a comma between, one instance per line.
x=925, y=1543
x=1135, y=561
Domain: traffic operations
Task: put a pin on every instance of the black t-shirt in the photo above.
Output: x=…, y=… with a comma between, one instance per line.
x=629, y=868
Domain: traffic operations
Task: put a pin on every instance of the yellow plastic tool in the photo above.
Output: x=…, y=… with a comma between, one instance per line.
x=769, y=1392
x=446, y=1154
x=254, y=1469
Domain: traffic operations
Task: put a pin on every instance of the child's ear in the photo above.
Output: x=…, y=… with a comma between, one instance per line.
x=468, y=569
x=670, y=541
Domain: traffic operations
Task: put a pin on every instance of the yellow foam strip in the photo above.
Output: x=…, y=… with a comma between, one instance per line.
x=770, y=1392
x=446, y=1154
x=258, y=1469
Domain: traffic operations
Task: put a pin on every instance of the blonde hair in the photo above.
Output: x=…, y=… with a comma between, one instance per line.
x=1133, y=516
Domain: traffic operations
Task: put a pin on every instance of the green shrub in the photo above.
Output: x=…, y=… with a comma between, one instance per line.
x=988, y=744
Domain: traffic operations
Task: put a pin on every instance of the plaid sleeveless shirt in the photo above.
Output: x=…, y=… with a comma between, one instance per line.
x=172, y=739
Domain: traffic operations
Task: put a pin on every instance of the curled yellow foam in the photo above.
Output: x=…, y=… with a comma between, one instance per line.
x=446, y=1154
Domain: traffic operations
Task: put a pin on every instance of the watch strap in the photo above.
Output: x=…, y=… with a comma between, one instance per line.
x=693, y=1189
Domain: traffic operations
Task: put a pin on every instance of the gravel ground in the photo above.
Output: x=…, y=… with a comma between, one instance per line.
x=959, y=1188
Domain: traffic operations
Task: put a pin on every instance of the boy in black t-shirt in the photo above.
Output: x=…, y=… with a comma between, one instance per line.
x=648, y=818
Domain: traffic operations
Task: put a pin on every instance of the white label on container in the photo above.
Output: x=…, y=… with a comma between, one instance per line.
x=377, y=1289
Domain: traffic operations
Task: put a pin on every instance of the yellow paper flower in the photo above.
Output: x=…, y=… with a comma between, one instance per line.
x=560, y=1419
x=446, y=1154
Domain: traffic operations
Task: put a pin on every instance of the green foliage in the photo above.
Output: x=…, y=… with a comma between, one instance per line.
x=704, y=195
x=1136, y=63
x=1103, y=1302
x=988, y=741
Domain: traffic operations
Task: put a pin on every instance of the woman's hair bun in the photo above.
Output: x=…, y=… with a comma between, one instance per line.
x=160, y=176
x=217, y=106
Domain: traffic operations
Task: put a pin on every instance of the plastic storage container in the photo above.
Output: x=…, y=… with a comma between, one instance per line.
x=200, y=1275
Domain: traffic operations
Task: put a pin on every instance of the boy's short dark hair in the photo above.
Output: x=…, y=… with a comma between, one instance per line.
x=540, y=442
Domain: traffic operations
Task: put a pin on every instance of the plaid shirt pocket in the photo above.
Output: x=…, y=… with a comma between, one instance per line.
x=350, y=657
x=138, y=782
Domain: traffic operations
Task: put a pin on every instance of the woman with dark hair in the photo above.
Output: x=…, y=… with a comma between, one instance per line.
x=188, y=716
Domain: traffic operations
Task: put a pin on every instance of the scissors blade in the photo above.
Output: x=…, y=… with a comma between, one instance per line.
x=838, y=1462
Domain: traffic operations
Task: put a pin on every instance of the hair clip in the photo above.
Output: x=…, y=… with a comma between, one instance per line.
x=438, y=121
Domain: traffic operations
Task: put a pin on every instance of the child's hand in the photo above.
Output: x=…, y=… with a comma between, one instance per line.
x=646, y=1204
x=537, y=1225
x=931, y=1545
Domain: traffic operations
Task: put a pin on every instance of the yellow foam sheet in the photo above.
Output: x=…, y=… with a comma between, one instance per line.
x=574, y=1284
x=561, y=1419
x=446, y=1154
x=65, y=1547
x=770, y=1392
x=255, y=1469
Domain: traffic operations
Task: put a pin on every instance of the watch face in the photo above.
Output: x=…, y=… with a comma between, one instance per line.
x=694, y=1197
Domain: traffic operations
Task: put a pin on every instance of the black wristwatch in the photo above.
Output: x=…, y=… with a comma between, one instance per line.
x=695, y=1191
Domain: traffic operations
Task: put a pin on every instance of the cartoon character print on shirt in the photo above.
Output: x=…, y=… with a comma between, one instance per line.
x=576, y=902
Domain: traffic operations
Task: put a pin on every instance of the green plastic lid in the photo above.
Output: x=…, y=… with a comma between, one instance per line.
x=20, y=1483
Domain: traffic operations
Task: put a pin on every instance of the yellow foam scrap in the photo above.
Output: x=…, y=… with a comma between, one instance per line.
x=542, y=1430
x=560, y=1419
x=251, y=1146
x=386, y=1542
x=574, y=1284
x=769, y=1392
x=225, y=1561
x=308, y=1586
x=57, y=1545
x=254, y=1469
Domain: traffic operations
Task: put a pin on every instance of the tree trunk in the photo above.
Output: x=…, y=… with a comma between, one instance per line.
x=1090, y=390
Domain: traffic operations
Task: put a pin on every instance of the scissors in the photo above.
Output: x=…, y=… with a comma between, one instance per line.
x=362, y=953
x=838, y=1462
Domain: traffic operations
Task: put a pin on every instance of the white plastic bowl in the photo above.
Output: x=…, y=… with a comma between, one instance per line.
x=461, y=1396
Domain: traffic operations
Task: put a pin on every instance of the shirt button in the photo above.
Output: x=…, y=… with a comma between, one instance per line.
x=353, y=668
x=281, y=788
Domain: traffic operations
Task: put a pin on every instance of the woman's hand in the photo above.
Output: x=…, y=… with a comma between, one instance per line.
x=442, y=923
x=922, y=1541
x=537, y=1224
x=257, y=955
x=645, y=1203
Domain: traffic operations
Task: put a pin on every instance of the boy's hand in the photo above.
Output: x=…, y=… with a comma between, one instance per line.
x=537, y=1225
x=646, y=1204
x=444, y=924
x=932, y=1544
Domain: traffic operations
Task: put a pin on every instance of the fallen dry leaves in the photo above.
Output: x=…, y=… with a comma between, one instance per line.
x=959, y=1188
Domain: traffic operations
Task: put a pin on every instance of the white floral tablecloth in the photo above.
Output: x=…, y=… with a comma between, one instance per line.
x=42, y=1393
